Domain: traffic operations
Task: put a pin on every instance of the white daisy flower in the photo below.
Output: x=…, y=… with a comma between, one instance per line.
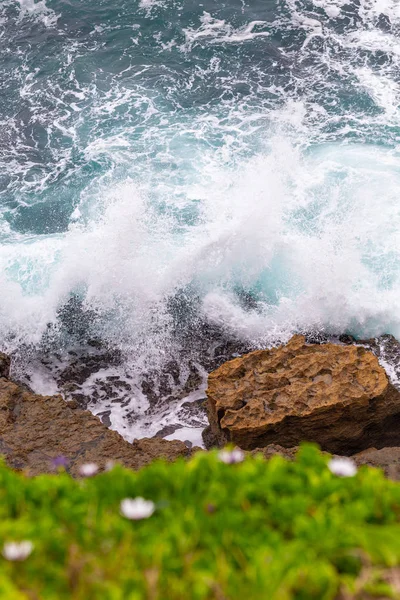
x=231, y=457
x=137, y=508
x=88, y=469
x=17, y=550
x=343, y=467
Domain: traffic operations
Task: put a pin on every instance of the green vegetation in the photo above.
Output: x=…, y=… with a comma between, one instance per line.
x=256, y=530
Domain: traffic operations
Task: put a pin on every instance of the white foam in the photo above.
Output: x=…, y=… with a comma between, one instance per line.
x=384, y=90
x=133, y=417
x=372, y=9
x=190, y=434
x=149, y=5
x=374, y=41
x=217, y=31
x=309, y=229
x=39, y=10
x=309, y=214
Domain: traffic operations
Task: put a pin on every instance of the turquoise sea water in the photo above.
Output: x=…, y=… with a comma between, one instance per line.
x=168, y=167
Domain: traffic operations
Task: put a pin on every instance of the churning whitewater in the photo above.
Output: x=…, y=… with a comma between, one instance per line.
x=181, y=178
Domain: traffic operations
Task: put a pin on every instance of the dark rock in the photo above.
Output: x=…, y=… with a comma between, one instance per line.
x=347, y=339
x=105, y=417
x=4, y=365
x=387, y=349
x=193, y=414
x=316, y=337
x=85, y=365
x=168, y=430
x=171, y=385
x=211, y=438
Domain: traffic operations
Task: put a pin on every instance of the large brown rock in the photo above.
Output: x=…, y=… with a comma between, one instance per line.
x=35, y=430
x=336, y=395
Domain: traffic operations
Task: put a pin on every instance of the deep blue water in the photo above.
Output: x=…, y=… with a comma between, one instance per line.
x=171, y=167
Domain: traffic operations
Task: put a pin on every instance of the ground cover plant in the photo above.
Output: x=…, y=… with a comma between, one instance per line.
x=216, y=527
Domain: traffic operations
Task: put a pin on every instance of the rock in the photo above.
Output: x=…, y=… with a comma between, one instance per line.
x=4, y=365
x=387, y=459
x=387, y=349
x=149, y=449
x=212, y=437
x=274, y=449
x=35, y=430
x=168, y=430
x=336, y=395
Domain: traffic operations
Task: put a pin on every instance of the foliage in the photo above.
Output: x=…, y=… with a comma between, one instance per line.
x=259, y=529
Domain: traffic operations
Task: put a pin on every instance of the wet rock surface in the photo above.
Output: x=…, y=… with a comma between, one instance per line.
x=102, y=379
x=36, y=430
x=336, y=395
x=386, y=348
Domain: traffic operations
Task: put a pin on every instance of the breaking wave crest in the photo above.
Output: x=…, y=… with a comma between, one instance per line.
x=175, y=175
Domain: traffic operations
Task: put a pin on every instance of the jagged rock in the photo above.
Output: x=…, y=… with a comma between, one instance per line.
x=336, y=395
x=35, y=430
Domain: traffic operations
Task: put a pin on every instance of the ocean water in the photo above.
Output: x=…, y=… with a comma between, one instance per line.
x=172, y=171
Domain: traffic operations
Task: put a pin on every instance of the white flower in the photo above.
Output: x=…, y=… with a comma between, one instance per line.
x=136, y=509
x=88, y=469
x=231, y=457
x=344, y=467
x=17, y=550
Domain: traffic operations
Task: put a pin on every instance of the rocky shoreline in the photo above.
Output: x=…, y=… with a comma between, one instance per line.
x=335, y=394
x=37, y=433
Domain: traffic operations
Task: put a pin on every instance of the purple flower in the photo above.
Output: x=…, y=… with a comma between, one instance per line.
x=60, y=461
